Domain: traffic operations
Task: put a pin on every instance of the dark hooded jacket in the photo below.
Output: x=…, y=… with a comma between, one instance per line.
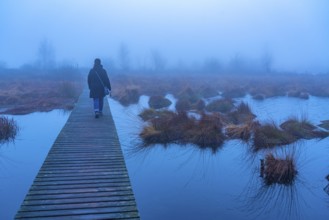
x=95, y=76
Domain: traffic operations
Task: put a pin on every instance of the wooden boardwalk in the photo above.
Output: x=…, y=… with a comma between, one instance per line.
x=84, y=175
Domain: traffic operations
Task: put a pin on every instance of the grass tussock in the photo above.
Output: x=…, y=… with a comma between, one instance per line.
x=148, y=114
x=279, y=171
x=269, y=135
x=234, y=92
x=8, y=129
x=324, y=124
x=208, y=92
x=168, y=128
x=158, y=102
x=241, y=115
x=188, y=94
x=302, y=129
x=220, y=105
x=182, y=129
x=241, y=131
x=199, y=105
x=129, y=96
x=183, y=105
x=207, y=132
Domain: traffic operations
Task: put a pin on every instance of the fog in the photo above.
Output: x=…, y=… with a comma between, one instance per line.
x=293, y=34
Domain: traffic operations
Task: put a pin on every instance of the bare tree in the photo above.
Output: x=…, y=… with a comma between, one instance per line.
x=237, y=63
x=267, y=61
x=157, y=60
x=46, y=55
x=124, y=59
x=212, y=65
x=3, y=64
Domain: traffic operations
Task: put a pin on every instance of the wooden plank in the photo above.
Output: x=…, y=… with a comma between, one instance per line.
x=84, y=175
x=78, y=200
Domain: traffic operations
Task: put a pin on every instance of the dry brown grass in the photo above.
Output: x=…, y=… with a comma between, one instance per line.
x=148, y=114
x=8, y=129
x=220, y=105
x=167, y=128
x=197, y=86
x=158, y=102
x=241, y=131
x=130, y=95
x=182, y=129
x=23, y=96
x=241, y=115
x=269, y=135
x=276, y=170
x=183, y=105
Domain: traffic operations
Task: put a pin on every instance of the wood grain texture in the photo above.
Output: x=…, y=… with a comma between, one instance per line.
x=84, y=175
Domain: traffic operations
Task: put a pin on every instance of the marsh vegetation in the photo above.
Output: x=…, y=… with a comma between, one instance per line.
x=8, y=129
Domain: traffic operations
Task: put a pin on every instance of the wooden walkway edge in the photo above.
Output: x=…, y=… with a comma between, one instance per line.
x=84, y=175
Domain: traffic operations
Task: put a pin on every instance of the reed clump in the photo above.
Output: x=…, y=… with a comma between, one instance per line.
x=181, y=128
x=220, y=105
x=158, y=102
x=324, y=124
x=188, y=94
x=8, y=129
x=150, y=113
x=207, y=132
x=276, y=170
x=129, y=96
x=241, y=131
x=269, y=135
x=241, y=115
x=199, y=105
x=302, y=129
x=168, y=128
x=183, y=105
x=208, y=92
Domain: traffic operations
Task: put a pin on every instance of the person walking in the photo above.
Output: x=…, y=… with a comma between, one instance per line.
x=98, y=83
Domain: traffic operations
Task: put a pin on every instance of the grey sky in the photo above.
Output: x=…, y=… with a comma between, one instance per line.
x=296, y=32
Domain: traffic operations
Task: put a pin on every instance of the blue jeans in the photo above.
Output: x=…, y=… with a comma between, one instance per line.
x=98, y=104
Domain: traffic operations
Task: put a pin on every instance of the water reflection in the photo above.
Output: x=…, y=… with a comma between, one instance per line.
x=21, y=160
x=184, y=182
x=275, y=200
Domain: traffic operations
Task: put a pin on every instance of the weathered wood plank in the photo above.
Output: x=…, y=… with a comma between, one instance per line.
x=78, y=205
x=78, y=200
x=84, y=175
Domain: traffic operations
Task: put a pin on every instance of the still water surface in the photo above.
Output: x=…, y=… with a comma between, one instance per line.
x=21, y=160
x=184, y=182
